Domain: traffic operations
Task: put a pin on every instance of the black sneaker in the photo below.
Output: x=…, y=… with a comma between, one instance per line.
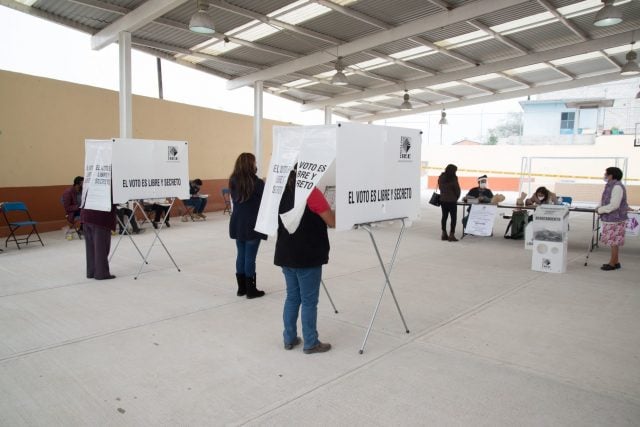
x=296, y=342
x=321, y=347
x=617, y=266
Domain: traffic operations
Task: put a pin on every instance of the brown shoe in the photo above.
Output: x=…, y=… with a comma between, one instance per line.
x=452, y=237
x=444, y=236
x=321, y=347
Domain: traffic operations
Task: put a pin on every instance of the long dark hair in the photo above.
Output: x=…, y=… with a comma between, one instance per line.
x=242, y=178
x=542, y=190
x=449, y=174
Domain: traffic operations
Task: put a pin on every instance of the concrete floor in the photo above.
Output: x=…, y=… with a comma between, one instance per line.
x=491, y=342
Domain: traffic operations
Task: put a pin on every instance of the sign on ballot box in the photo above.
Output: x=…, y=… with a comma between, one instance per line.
x=550, y=238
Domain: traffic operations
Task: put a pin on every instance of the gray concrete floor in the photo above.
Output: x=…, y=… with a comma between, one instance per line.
x=491, y=342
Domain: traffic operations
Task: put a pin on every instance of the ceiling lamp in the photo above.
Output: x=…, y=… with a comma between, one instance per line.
x=406, y=105
x=631, y=67
x=200, y=21
x=608, y=15
x=443, y=118
x=339, y=78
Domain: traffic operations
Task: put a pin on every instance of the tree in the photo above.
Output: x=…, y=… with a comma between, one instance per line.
x=511, y=125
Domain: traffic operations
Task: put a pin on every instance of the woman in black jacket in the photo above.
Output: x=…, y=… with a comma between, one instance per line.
x=246, y=192
x=449, y=195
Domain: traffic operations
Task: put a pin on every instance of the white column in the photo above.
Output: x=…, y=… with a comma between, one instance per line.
x=124, y=41
x=328, y=114
x=257, y=123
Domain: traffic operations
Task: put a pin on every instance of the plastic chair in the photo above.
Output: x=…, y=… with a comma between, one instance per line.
x=74, y=227
x=14, y=214
x=186, y=211
x=226, y=196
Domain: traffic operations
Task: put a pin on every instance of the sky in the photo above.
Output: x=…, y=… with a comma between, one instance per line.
x=57, y=52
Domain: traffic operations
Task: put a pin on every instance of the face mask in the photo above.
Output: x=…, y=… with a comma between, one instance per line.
x=541, y=198
x=483, y=185
x=605, y=178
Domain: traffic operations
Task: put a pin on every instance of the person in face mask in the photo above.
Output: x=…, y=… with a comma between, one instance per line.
x=542, y=196
x=613, y=215
x=481, y=193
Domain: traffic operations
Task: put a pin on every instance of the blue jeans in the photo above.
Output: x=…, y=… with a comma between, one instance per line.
x=303, y=287
x=246, y=257
x=198, y=204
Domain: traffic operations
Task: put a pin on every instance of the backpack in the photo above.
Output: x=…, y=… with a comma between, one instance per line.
x=517, y=224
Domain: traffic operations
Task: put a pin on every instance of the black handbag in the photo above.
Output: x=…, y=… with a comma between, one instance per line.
x=435, y=198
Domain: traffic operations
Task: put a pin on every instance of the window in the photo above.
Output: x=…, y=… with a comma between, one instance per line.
x=567, y=121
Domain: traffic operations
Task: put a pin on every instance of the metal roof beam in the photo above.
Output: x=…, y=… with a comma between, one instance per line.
x=354, y=14
x=487, y=68
x=410, y=29
x=179, y=50
x=498, y=36
x=604, y=78
x=133, y=21
x=570, y=25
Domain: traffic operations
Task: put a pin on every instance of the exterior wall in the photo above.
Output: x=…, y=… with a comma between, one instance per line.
x=542, y=119
x=554, y=163
x=44, y=122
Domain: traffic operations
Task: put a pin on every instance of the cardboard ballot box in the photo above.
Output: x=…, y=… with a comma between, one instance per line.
x=550, y=238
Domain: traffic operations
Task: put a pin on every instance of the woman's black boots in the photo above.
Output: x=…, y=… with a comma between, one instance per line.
x=242, y=287
x=252, y=292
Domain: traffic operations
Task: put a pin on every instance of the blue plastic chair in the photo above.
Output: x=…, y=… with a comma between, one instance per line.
x=11, y=211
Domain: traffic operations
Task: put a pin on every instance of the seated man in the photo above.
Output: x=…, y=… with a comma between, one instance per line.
x=71, y=200
x=124, y=213
x=159, y=207
x=479, y=194
x=196, y=200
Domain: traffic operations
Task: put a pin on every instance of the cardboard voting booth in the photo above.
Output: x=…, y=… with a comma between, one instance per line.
x=121, y=170
x=550, y=238
x=375, y=171
x=372, y=174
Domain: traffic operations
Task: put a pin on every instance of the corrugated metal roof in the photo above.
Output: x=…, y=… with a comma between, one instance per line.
x=342, y=27
x=168, y=37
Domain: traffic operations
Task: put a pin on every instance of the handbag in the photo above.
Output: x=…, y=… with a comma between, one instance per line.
x=435, y=198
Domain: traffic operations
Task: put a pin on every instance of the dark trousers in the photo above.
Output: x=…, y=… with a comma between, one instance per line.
x=97, y=242
x=159, y=210
x=198, y=204
x=123, y=215
x=449, y=208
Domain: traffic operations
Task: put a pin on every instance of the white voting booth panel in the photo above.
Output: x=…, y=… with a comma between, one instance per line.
x=150, y=169
x=550, y=238
x=371, y=172
x=96, y=189
x=120, y=170
x=375, y=171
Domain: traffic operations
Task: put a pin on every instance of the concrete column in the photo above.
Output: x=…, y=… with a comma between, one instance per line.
x=327, y=115
x=124, y=42
x=257, y=123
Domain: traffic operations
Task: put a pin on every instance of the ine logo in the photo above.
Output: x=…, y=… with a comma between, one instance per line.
x=405, y=148
x=173, y=153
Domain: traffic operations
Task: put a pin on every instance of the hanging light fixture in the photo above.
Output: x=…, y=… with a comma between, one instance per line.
x=608, y=15
x=339, y=78
x=200, y=21
x=406, y=105
x=443, y=118
x=630, y=68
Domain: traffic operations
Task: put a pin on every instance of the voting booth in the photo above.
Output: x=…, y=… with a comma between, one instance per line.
x=371, y=172
x=550, y=238
x=118, y=171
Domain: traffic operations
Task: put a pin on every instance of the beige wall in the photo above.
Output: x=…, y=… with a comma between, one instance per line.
x=44, y=122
